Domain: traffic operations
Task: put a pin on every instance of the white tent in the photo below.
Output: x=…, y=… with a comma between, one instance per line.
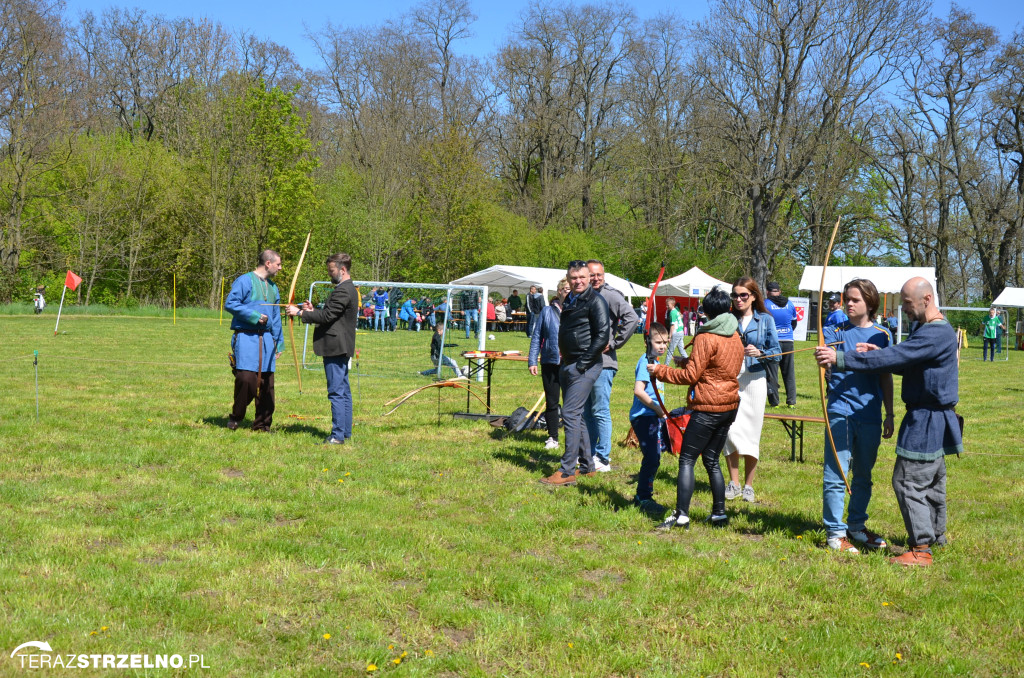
x=504, y=279
x=887, y=279
x=692, y=283
x=1010, y=296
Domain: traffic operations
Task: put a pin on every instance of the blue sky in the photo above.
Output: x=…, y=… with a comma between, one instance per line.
x=287, y=25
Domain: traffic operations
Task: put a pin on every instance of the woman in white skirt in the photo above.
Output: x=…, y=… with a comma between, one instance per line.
x=760, y=345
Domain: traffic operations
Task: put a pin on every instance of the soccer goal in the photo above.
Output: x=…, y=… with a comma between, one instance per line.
x=395, y=327
x=970, y=319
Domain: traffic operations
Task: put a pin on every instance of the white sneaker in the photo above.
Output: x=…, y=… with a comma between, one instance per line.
x=841, y=544
x=465, y=371
x=550, y=444
x=600, y=466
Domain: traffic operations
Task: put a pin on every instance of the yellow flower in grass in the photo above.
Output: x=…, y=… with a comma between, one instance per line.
x=370, y=668
x=104, y=628
x=341, y=480
x=428, y=653
x=899, y=657
x=404, y=655
x=885, y=604
x=347, y=474
x=396, y=661
x=570, y=646
x=865, y=665
x=92, y=633
x=391, y=647
x=325, y=470
x=327, y=636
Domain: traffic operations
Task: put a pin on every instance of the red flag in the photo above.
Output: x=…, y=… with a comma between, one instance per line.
x=72, y=281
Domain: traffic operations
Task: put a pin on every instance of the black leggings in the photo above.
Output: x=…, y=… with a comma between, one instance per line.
x=705, y=435
x=552, y=393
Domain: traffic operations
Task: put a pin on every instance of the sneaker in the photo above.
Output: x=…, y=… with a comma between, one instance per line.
x=792, y=407
x=732, y=490
x=917, y=555
x=677, y=519
x=841, y=544
x=550, y=444
x=232, y=425
x=650, y=507
x=331, y=440
x=867, y=538
x=748, y=494
x=601, y=466
x=465, y=371
x=718, y=521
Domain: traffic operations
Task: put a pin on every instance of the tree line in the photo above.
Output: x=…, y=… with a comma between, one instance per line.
x=138, y=148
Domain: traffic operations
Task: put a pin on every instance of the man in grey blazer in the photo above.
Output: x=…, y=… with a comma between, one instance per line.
x=334, y=339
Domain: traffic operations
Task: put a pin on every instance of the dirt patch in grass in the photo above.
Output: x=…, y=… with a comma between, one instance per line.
x=598, y=576
x=233, y=473
x=457, y=637
x=103, y=543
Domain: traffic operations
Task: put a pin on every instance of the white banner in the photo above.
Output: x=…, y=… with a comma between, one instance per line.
x=803, y=312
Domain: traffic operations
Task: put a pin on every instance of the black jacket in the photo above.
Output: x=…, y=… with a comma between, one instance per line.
x=584, y=330
x=335, y=332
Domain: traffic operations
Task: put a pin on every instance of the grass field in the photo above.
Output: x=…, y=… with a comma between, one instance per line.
x=134, y=522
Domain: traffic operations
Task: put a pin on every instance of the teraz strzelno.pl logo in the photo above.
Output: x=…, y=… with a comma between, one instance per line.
x=46, y=658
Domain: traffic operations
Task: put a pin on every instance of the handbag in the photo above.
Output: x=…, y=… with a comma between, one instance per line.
x=678, y=420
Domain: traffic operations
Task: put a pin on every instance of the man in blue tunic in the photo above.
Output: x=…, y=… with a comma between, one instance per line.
x=930, y=429
x=257, y=340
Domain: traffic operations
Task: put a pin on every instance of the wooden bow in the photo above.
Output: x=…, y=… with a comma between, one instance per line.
x=402, y=399
x=291, y=320
x=821, y=370
x=651, y=357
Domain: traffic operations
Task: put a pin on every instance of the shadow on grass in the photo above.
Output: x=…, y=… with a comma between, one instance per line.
x=604, y=493
x=531, y=456
x=764, y=521
x=288, y=427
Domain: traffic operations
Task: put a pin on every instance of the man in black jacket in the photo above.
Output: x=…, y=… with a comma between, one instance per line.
x=582, y=337
x=335, y=340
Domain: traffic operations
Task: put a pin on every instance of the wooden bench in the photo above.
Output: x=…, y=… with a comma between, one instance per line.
x=790, y=422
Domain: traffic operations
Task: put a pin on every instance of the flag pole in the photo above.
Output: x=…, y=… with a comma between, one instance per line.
x=60, y=309
x=221, y=301
x=174, y=301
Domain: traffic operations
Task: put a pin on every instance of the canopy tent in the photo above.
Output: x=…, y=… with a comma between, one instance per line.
x=1010, y=297
x=887, y=280
x=504, y=279
x=693, y=283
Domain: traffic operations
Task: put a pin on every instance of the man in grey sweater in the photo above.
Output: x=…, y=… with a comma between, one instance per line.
x=930, y=429
x=597, y=413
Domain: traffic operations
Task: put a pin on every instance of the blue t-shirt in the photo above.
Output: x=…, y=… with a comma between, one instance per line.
x=642, y=374
x=836, y=317
x=857, y=395
x=784, y=317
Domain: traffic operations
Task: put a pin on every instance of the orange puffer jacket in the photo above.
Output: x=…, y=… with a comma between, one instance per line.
x=712, y=369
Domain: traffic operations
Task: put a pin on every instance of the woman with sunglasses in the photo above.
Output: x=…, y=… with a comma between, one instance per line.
x=760, y=346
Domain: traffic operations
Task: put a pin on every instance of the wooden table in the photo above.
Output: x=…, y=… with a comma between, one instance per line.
x=485, y=363
x=789, y=422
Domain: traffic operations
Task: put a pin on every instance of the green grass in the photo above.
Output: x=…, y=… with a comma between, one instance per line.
x=129, y=506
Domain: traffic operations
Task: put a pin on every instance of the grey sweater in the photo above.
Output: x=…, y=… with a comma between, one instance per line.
x=624, y=322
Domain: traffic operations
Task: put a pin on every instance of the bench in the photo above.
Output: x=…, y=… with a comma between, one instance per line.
x=790, y=422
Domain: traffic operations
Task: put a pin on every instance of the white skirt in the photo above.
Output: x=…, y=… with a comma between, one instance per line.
x=745, y=432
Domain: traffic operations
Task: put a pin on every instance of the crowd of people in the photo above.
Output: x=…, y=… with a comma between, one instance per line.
x=732, y=374
x=735, y=351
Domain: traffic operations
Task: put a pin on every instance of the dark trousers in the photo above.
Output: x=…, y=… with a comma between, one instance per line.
x=704, y=437
x=988, y=348
x=920, y=488
x=652, y=434
x=340, y=396
x=576, y=388
x=788, y=369
x=247, y=389
x=552, y=391
x=530, y=318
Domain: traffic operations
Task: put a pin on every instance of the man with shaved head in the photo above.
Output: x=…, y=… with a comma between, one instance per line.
x=930, y=429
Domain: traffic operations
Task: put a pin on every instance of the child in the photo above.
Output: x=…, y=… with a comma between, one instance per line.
x=649, y=422
x=437, y=350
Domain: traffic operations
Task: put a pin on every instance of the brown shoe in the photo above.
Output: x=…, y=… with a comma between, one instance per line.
x=559, y=478
x=917, y=555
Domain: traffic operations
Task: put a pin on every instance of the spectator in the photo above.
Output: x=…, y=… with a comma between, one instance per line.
x=675, y=329
x=544, y=347
x=784, y=313
x=380, y=308
x=534, y=306
x=515, y=303
x=408, y=315
x=471, y=311
x=836, y=315
x=760, y=345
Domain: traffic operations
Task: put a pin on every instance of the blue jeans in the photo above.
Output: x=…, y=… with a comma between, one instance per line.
x=858, y=448
x=652, y=432
x=598, y=415
x=472, y=320
x=340, y=395
x=378, y=319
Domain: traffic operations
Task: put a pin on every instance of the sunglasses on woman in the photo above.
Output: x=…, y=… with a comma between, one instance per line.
x=742, y=297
